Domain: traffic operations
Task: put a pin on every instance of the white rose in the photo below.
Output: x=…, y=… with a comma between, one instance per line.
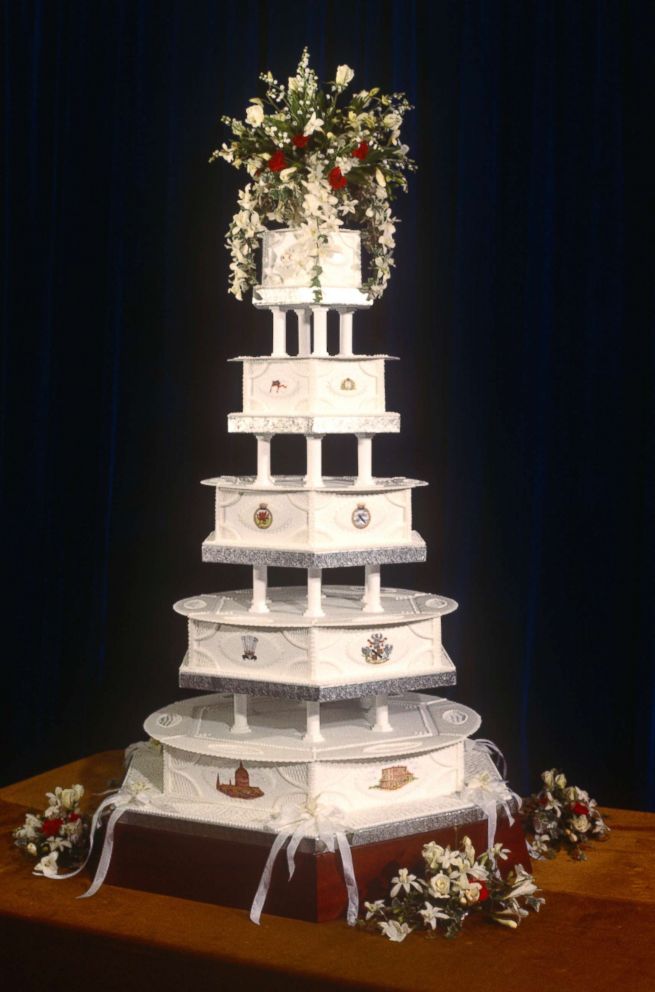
x=432, y=854
x=548, y=779
x=439, y=886
x=560, y=781
x=255, y=115
x=392, y=121
x=580, y=823
x=344, y=76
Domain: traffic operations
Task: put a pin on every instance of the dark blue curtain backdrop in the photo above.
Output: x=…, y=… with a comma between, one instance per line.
x=522, y=308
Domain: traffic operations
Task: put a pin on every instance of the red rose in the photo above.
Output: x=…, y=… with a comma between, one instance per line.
x=484, y=891
x=336, y=179
x=580, y=809
x=72, y=817
x=361, y=151
x=51, y=827
x=300, y=140
x=277, y=161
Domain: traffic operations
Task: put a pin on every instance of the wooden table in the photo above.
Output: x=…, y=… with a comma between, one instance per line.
x=595, y=933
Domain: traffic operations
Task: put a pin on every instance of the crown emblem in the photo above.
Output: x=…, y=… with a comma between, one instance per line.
x=348, y=385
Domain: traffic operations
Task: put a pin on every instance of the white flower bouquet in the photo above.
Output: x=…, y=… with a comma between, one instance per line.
x=315, y=159
x=59, y=837
x=454, y=884
x=561, y=817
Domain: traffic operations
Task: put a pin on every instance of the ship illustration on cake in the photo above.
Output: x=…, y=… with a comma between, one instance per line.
x=241, y=787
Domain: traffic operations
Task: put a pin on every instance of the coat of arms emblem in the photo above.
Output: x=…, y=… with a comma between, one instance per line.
x=377, y=650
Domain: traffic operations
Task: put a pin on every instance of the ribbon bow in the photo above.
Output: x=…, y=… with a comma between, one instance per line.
x=487, y=793
x=293, y=822
x=134, y=793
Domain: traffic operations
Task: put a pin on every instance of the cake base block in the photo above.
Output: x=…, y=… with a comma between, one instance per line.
x=215, y=864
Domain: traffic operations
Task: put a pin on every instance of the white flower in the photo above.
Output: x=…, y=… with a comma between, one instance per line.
x=432, y=853
x=344, y=76
x=255, y=115
x=392, y=120
x=373, y=908
x=431, y=914
x=287, y=173
x=451, y=859
x=580, y=823
x=439, y=886
x=560, y=781
x=548, y=778
x=313, y=124
x=403, y=880
x=47, y=866
x=70, y=798
x=394, y=930
x=31, y=848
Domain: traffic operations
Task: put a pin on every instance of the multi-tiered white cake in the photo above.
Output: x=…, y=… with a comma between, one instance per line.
x=313, y=687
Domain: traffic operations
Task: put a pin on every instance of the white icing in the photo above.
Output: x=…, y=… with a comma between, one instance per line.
x=288, y=259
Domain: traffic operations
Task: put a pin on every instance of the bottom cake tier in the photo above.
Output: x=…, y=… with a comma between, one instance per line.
x=367, y=775
x=183, y=849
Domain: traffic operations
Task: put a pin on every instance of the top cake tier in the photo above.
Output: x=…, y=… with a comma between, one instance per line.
x=290, y=259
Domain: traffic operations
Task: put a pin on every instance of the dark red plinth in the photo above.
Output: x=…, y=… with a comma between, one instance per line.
x=211, y=865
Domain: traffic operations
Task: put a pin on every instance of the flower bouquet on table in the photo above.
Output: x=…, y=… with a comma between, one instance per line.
x=59, y=837
x=561, y=817
x=317, y=158
x=455, y=884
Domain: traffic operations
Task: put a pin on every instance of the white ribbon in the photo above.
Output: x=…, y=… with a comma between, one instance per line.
x=295, y=821
x=136, y=793
x=488, y=793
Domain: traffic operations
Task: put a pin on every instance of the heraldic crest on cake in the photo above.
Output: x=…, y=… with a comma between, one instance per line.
x=313, y=695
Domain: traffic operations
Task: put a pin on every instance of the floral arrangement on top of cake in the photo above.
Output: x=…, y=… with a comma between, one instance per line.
x=561, y=817
x=317, y=158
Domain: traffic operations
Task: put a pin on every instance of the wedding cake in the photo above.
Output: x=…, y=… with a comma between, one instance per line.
x=312, y=708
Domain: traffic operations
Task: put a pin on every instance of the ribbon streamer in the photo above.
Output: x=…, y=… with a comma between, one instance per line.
x=292, y=823
x=488, y=793
x=134, y=794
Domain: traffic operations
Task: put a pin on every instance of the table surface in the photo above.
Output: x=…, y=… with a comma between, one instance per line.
x=594, y=933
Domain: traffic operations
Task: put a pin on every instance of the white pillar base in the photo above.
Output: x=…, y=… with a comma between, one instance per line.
x=279, y=332
x=371, y=600
x=304, y=332
x=345, y=332
x=314, y=476
x=259, y=589
x=264, y=460
x=382, y=725
x=240, y=725
x=313, y=734
x=314, y=607
x=364, y=459
x=319, y=316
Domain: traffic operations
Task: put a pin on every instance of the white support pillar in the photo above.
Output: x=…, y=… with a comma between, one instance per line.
x=304, y=332
x=345, y=332
x=279, y=332
x=313, y=733
x=314, y=607
x=259, y=587
x=364, y=459
x=240, y=725
x=319, y=315
x=371, y=600
x=381, y=725
x=264, y=460
x=314, y=476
